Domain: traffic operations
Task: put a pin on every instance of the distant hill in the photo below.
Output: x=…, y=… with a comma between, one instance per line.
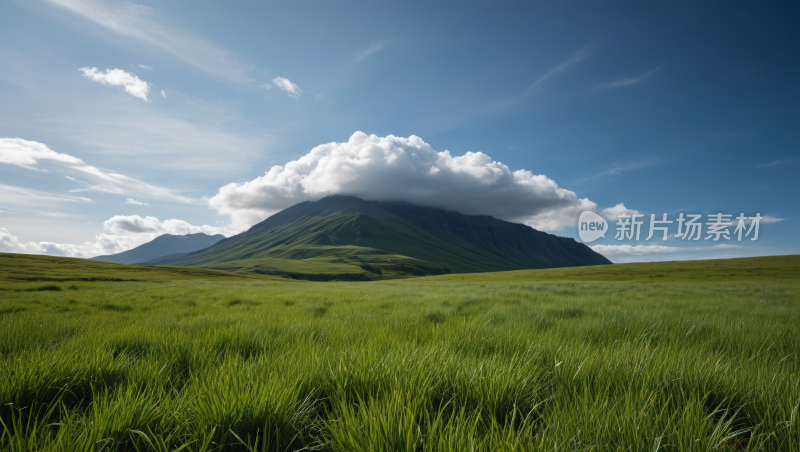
x=162, y=246
x=344, y=237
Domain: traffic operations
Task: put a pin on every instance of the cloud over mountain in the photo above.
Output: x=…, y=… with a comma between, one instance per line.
x=404, y=169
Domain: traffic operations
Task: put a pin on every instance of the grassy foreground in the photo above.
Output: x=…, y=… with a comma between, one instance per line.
x=97, y=356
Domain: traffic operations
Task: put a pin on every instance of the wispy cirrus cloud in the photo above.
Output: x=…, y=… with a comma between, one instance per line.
x=26, y=154
x=777, y=163
x=137, y=203
x=141, y=22
x=618, y=168
x=141, y=136
x=766, y=219
x=575, y=58
x=374, y=47
x=515, y=100
x=628, y=81
x=133, y=85
x=107, y=181
x=12, y=195
x=291, y=88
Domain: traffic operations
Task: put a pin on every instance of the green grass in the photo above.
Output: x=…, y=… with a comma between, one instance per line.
x=97, y=356
x=324, y=263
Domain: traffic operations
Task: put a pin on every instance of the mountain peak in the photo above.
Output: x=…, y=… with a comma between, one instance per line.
x=342, y=236
x=161, y=246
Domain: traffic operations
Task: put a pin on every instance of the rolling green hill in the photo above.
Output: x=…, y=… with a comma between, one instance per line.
x=344, y=237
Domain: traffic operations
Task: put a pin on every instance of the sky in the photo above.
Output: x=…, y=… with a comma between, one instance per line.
x=121, y=121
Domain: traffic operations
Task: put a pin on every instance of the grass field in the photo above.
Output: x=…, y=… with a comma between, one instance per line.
x=682, y=356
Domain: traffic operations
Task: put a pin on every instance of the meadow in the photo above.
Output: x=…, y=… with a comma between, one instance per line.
x=679, y=356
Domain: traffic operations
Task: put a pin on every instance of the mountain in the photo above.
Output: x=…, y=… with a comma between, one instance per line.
x=161, y=246
x=344, y=237
x=519, y=244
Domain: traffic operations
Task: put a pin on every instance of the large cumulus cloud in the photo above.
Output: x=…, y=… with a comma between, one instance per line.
x=404, y=169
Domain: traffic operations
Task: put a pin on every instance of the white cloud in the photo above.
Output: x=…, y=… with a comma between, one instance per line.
x=134, y=224
x=291, y=89
x=144, y=137
x=404, y=169
x=120, y=184
x=653, y=248
x=374, y=47
x=11, y=195
x=121, y=234
x=24, y=153
x=778, y=163
x=267, y=86
x=577, y=57
x=612, y=213
x=628, y=81
x=141, y=22
x=117, y=77
x=722, y=246
x=770, y=219
x=636, y=250
x=137, y=203
x=163, y=94
x=618, y=168
x=145, y=67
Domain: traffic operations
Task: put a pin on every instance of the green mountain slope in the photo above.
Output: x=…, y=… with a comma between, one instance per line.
x=344, y=237
x=519, y=244
x=162, y=246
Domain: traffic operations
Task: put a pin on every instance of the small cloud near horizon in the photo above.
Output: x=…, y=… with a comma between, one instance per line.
x=654, y=248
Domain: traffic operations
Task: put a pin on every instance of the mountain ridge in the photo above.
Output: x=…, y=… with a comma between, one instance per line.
x=346, y=235
x=162, y=246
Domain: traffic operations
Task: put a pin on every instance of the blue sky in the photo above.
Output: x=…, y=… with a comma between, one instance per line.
x=665, y=108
